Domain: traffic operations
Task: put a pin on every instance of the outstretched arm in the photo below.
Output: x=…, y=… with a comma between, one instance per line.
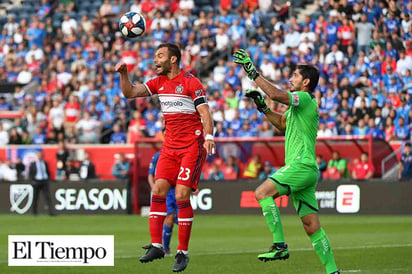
x=272, y=91
x=242, y=57
x=129, y=90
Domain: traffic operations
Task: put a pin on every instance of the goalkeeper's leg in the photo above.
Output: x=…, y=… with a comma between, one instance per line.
x=320, y=242
x=264, y=194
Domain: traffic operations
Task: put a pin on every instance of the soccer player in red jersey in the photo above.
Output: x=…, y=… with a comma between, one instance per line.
x=188, y=138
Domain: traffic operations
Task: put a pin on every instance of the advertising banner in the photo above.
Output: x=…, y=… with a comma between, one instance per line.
x=334, y=197
x=67, y=197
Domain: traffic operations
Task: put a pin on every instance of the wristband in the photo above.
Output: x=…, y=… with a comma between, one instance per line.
x=209, y=137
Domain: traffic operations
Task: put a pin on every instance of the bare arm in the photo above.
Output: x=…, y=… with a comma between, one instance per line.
x=278, y=120
x=400, y=170
x=272, y=91
x=207, y=121
x=369, y=175
x=129, y=90
x=151, y=181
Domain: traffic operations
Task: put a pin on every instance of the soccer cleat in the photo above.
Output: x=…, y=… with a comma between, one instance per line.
x=167, y=252
x=152, y=253
x=336, y=272
x=181, y=261
x=276, y=252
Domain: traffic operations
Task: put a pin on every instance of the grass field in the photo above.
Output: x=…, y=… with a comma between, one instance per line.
x=229, y=244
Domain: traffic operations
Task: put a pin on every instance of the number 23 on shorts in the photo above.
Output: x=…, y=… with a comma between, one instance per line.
x=184, y=174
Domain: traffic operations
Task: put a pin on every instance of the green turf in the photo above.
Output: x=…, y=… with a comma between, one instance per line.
x=230, y=244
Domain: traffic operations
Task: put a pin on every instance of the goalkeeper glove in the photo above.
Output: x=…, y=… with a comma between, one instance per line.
x=241, y=57
x=258, y=99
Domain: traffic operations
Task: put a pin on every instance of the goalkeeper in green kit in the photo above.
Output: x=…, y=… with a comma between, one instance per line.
x=298, y=178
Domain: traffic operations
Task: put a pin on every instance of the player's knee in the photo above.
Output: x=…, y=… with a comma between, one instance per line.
x=159, y=191
x=311, y=225
x=260, y=194
x=182, y=194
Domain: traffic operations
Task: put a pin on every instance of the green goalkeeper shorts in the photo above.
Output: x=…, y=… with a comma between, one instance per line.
x=298, y=181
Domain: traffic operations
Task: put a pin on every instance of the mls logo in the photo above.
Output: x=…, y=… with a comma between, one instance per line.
x=21, y=197
x=179, y=89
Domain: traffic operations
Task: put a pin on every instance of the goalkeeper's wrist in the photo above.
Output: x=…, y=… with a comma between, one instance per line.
x=253, y=75
x=264, y=109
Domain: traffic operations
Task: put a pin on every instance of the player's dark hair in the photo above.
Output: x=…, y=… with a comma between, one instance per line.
x=309, y=72
x=173, y=49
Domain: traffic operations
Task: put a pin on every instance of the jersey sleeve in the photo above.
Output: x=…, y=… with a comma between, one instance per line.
x=153, y=85
x=153, y=163
x=299, y=98
x=197, y=92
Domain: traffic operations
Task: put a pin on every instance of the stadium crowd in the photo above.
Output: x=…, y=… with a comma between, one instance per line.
x=61, y=55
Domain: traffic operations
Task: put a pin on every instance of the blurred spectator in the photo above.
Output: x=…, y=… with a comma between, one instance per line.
x=137, y=128
x=231, y=169
x=321, y=165
x=8, y=173
x=268, y=170
x=62, y=153
x=405, y=163
x=72, y=171
x=339, y=164
x=4, y=136
x=87, y=169
x=266, y=130
x=253, y=167
x=15, y=137
x=19, y=167
x=121, y=168
x=118, y=136
x=39, y=173
x=215, y=174
x=88, y=129
x=364, y=33
x=363, y=169
x=39, y=138
x=61, y=171
x=323, y=131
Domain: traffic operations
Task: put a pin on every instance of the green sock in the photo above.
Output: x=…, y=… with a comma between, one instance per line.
x=272, y=216
x=321, y=244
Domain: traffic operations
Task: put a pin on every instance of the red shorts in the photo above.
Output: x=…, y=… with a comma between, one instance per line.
x=181, y=166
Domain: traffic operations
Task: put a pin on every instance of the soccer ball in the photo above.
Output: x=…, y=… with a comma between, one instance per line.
x=132, y=24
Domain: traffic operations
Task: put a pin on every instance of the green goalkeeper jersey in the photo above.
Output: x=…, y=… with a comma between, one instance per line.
x=302, y=121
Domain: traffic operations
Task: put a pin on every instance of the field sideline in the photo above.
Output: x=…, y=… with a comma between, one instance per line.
x=229, y=244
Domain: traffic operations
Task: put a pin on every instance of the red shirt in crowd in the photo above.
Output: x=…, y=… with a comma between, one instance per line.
x=346, y=34
x=362, y=169
x=72, y=112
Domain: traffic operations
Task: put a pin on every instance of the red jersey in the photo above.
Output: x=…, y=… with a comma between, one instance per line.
x=72, y=112
x=179, y=98
x=346, y=34
x=362, y=169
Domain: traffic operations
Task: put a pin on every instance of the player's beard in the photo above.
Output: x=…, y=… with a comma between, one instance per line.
x=166, y=67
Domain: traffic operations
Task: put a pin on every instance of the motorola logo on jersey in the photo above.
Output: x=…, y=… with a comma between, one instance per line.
x=172, y=104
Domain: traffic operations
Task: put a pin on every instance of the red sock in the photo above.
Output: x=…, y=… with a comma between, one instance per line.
x=157, y=216
x=185, y=218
